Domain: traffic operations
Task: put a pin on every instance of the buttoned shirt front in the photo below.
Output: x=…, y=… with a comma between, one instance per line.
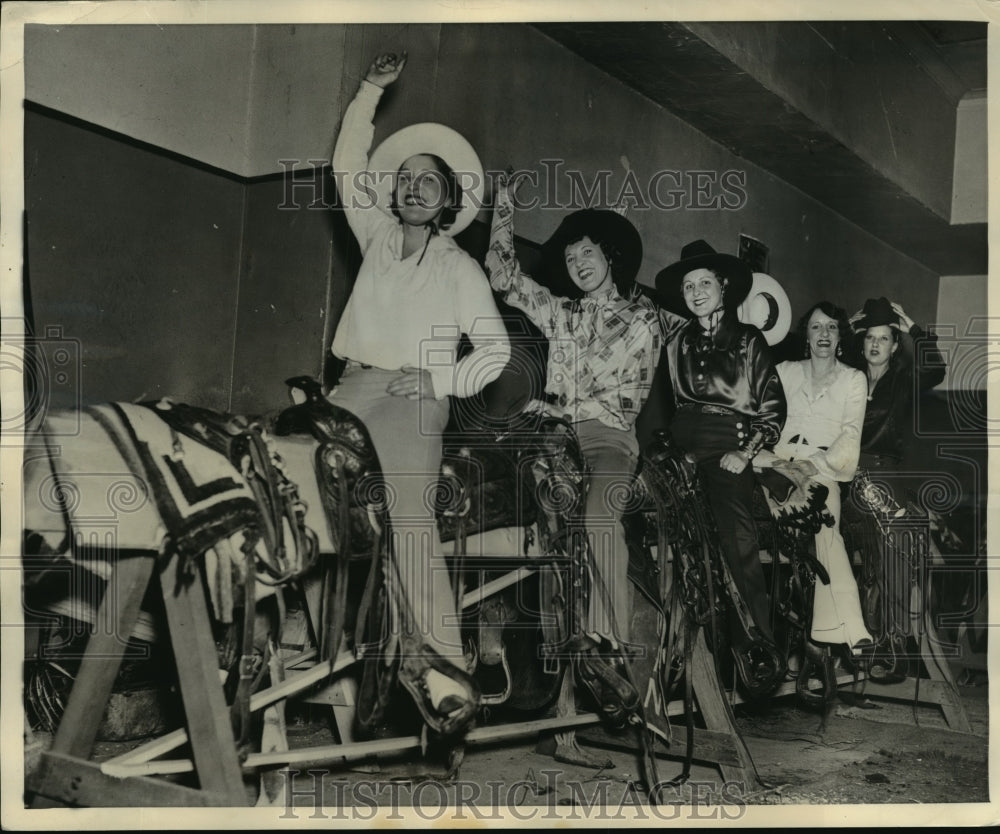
x=823, y=425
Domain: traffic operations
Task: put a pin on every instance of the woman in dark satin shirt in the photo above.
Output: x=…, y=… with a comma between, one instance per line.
x=730, y=405
x=893, y=377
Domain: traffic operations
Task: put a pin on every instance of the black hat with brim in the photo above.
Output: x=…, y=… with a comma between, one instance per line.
x=875, y=313
x=700, y=255
x=600, y=225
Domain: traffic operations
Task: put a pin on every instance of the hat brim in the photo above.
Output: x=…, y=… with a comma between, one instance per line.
x=767, y=308
x=736, y=271
x=607, y=225
x=878, y=312
x=876, y=321
x=442, y=141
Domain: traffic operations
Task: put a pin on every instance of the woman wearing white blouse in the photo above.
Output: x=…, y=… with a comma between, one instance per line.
x=821, y=439
x=415, y=295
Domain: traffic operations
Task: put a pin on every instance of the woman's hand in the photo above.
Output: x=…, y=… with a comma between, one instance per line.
x=385, y=69
x=905, y=322
x=856, y=318
x=412, y=383
x=509, y=182
x=734, y=462
x=806, y=467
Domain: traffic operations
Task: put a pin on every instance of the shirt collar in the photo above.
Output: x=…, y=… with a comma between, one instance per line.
x=725, y=334
x=600, y=299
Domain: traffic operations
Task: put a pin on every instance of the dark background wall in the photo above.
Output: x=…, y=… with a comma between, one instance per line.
x=136, y=254
x=177, y=279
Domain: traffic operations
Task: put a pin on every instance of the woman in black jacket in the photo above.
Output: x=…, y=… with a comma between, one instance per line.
x=729, y=405
x=894, y=372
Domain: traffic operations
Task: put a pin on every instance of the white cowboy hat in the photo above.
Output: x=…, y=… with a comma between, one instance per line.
x=442, y=141
x=767, y=308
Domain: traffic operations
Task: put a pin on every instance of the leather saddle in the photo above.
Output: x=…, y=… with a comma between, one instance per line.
x=529, y=475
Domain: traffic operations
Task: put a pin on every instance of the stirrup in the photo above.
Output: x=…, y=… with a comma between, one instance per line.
x=819, y=659
x=886, y=664
x=493, y=669
x=761, y=667
x=453, y=714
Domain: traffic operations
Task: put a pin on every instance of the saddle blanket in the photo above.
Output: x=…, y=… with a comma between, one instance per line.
x=118, y=480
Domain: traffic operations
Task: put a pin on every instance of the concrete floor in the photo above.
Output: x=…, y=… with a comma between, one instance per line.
x=887, y=753
x=874, y=764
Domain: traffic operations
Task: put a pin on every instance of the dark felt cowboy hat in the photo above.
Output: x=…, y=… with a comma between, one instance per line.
x=700, y=255
x=600, y=225
x=877, y=311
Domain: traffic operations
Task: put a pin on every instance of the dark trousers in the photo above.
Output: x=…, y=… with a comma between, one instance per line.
x=730, y=498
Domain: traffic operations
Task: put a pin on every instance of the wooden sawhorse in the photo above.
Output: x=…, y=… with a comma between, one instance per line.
x=938, y=688
x=66, y=776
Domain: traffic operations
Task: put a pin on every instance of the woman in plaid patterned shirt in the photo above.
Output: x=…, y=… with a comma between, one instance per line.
x=603, y=347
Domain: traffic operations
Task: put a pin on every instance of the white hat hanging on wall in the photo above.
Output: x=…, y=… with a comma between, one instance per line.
x=767, y=308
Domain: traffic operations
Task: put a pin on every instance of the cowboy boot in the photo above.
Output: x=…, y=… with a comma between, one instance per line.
x=606, y=679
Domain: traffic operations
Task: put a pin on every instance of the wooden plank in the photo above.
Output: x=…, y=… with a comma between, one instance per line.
x=103, y=656
x=479, y=735
x=196, y=657
x=940, y=672
x=299, y=679
x=477, y=595
x=717, y=714
x=164, y=767
x=151, y=749
x=939, y=688
x=930, y=691
x=296, y=683
x=68, y=780
x=363, y=749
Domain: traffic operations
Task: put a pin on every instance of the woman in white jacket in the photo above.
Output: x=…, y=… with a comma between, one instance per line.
x=821, y=439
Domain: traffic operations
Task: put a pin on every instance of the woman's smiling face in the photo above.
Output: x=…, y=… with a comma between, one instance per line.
x=702, y=291
x=587, y=266
x=823, y=334
x=421, y=193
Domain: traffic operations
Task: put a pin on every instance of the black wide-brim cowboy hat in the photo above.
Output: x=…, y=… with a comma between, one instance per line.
x=600, y=225
x=877, y=312
x=700, y=255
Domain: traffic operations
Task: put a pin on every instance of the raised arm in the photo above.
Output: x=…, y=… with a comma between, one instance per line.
x=503, y=268
x=928, y=363
x=350, y=154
